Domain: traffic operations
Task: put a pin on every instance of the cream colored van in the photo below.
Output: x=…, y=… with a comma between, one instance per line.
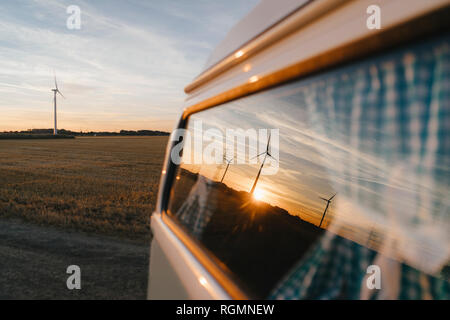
x=332, y=119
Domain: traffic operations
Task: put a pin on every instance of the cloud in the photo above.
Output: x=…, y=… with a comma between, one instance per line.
x=130, y=58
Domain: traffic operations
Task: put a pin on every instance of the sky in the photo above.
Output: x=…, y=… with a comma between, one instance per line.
x=125, y=68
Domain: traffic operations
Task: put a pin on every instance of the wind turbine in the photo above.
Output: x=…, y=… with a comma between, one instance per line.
x=55, y=91
x=328, y=203
x=226, y=169
x=265, y=153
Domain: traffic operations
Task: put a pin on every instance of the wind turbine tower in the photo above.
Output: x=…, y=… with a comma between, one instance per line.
x=55, y=91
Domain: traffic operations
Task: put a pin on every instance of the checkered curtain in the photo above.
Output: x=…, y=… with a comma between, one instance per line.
x=389, y=117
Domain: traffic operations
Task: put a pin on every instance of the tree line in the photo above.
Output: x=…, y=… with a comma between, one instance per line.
x=91, y=133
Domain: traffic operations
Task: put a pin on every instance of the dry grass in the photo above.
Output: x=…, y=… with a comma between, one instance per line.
x=104, y=185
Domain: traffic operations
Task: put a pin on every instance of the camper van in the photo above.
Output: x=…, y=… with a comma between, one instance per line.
x=312, y=159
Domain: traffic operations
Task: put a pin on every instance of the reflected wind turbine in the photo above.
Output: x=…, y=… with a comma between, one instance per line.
x=328, y=203
x=265, y=153
x=226, y=169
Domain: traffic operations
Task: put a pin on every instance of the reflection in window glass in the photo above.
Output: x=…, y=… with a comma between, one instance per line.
x=358, y=175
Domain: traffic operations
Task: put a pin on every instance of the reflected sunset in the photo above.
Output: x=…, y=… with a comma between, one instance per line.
x=326, y=170
x=258, y=194
x=318, y=160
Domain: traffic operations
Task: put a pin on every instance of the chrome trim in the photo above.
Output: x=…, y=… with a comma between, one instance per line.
x=401, y=34
x=299, y=18
x=214, y=267
x=198, y=283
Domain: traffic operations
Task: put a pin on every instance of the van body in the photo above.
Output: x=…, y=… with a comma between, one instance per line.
x=312, y=159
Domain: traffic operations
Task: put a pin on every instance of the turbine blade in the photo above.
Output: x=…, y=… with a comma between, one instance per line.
x=268, y=144
x=56, y=84
x=60, y=94
x=323, y=199
x=257, y=155
x=225, y=156
x=332, y=196
x=272, y=157
x=227, y=160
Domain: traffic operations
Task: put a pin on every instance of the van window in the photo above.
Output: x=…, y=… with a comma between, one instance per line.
x=354, y=180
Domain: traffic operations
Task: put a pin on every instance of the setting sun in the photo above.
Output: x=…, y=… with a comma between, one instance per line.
x=258, y=194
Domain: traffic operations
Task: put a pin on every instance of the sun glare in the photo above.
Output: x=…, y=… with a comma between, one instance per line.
x=258, y=194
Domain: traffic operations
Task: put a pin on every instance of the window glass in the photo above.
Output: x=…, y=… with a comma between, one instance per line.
x=354, y=181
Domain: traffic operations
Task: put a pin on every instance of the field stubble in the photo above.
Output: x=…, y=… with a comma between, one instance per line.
x=105, y=185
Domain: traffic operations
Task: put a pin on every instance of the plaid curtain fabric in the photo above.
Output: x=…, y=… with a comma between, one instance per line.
x=387, y=121
x=336, y=267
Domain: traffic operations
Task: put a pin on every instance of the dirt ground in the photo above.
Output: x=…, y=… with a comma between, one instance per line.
x=34, y=260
